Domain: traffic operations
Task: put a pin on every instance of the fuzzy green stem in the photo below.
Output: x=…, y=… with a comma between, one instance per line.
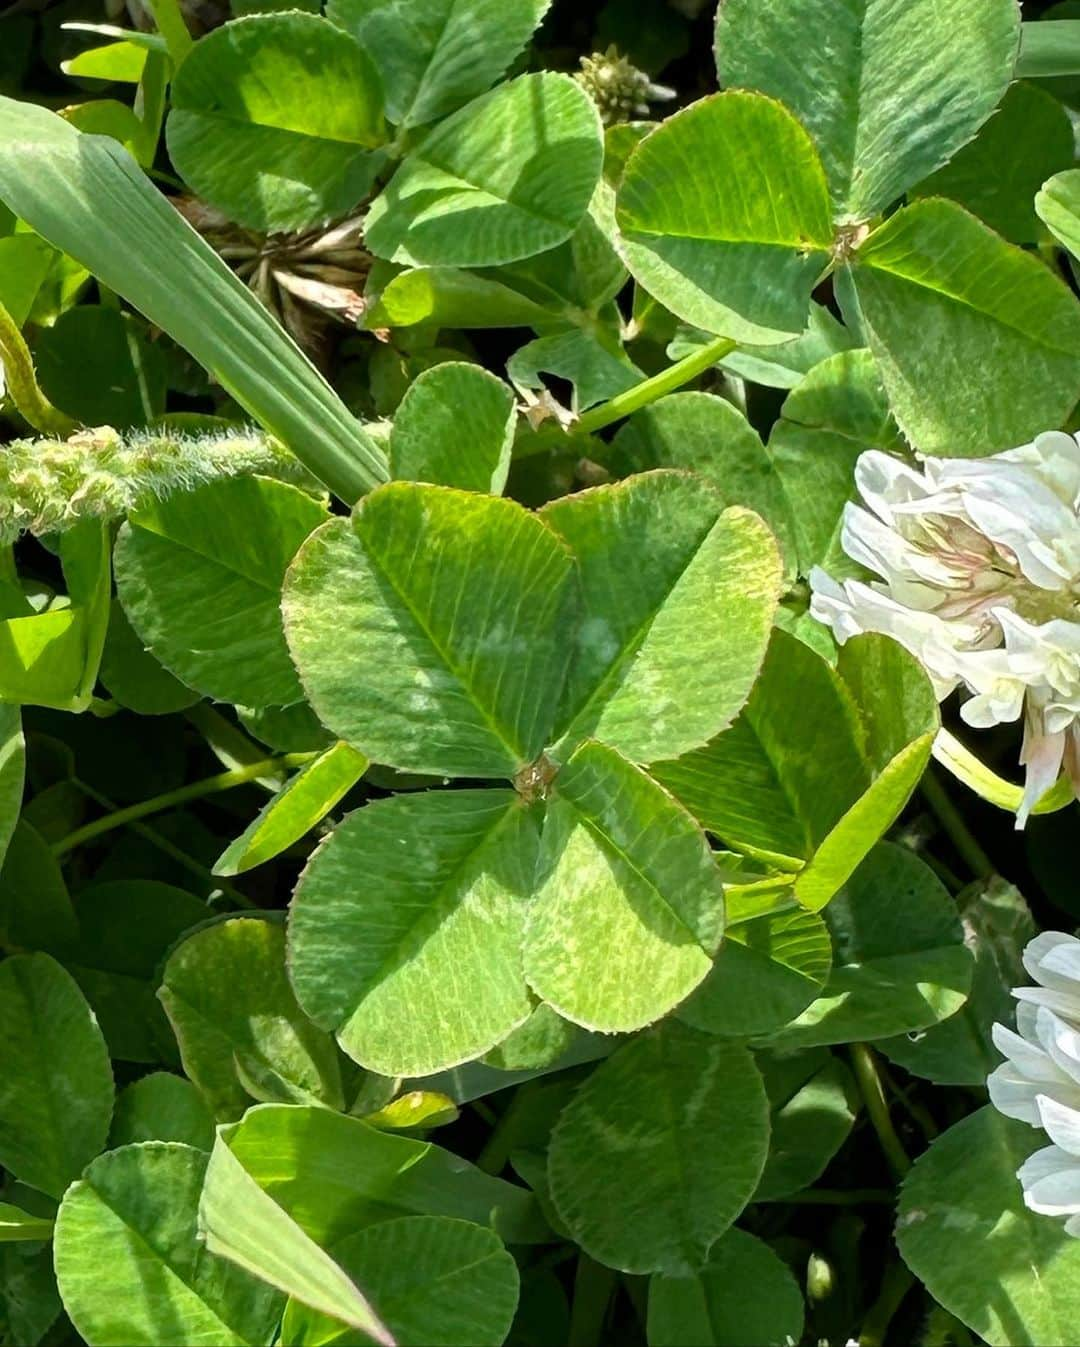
x=957, y=831
x=649, y=390
x=22, y=384
x=862, y=1059
x=49, y=485
x=211, y=785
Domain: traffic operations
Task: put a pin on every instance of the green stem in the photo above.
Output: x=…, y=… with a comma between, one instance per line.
x=625, y=404
x=22, y=384
x=496, y=1152
x=171, y=26
x=895, y=1285
x=211, y=785
x=170, y=849
x=594, y=1286
x=862, y=1059
x=957, y=831
x=918, y=1114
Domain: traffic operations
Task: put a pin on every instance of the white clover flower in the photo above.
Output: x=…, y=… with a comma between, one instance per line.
x=979, y=566
x=1039, y=1083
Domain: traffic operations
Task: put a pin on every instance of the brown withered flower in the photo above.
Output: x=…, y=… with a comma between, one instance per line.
x=309, y=280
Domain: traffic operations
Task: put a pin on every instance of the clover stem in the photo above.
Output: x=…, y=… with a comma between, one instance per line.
x=211, y=785
x=594, y=1285
x=624, y=404
x=895, y=1285
x=952, y=822
x=170, y=849
x=866, y=1073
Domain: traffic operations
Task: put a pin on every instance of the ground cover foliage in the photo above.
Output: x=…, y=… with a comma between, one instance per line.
x=454, y=891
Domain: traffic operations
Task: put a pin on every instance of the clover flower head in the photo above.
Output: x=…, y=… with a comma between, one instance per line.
x=621, y=91
x=978, y=576
x=1039, y=1083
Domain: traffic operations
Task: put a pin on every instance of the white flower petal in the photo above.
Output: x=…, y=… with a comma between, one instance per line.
x=1061, y=1124
x=1037, y=952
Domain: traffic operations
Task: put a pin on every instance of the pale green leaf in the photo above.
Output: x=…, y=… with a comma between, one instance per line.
x=777, y=781
x=405, y=930
x=737, y=248
x=540, y=1042
x=200, y=576
x=626, y=881
x=25, y=260
x=769, y=969
x=435, y=55
x=667, y=652
x=899, y=711
x=131, y=1269
x=889, y=89
x=334, y=1175
x=744, y=1294
x=121, y=62
x=618, y=1160
x=709, y=436
x=56, y=1086
x=455, y=427
x=230, y=1004
x=978, y=342
x=899, y=961
x=1012, y=1275
x=1058, y=206
x=276, y=120
x=52, y=658
x=42, y=657
x=508, y=175
x=449, y=297
x=430, y=629
x=868, y=819
x=434, y=1281
x=88, y=198
x=241, y=1222
x=301, y=803
x=415, y=1109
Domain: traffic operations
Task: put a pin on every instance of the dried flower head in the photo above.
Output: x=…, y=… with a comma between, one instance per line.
x=621, y=91
x=308, y=280
x=979, y=566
